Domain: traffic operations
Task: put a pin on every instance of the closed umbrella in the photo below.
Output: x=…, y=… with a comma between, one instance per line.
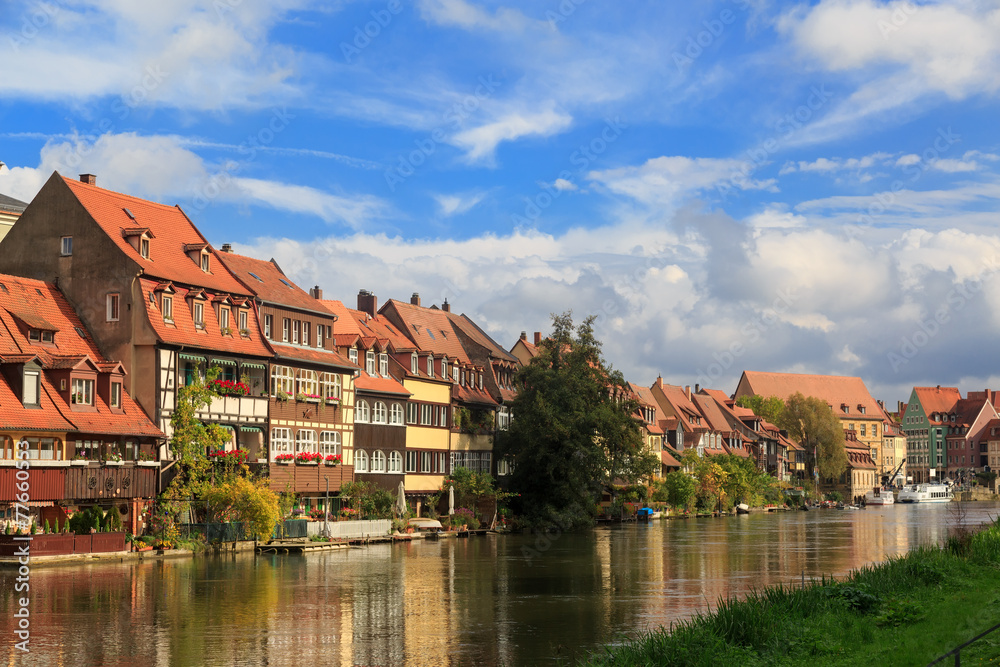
x=451, y=500
x=400, y=500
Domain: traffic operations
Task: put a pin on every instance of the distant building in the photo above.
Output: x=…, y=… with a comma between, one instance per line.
x=10, y=211
x=923, y=422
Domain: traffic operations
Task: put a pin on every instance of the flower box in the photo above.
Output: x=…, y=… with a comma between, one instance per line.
x=331, y=463
x=330, y=400
x=149, y=464
x=113, y=463
x=283, y=463
x=79, y=463
x=307, y=463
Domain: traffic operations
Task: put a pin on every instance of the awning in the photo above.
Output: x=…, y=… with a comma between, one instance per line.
x=257, y=366
x=190, y=357
x=224, y=362
x=251, y=428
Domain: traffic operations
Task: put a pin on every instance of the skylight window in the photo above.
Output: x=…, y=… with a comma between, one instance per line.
x=255, y=276
x=83, y=334
x=431, y=334
x=287, y=284
x=129, y=214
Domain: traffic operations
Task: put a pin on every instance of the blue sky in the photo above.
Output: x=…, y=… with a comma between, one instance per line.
x=806, y=187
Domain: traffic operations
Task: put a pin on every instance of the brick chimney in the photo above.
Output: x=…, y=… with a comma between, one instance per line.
x=687, y=391
x=316, y=293
x=538, y=338
x=367, y=302
x=89, y=179
x=415, y=299
x=446, y=307
x=227, y=247
x=524, y=335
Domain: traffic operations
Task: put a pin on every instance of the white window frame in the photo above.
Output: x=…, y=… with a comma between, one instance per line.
x=282, y=379
x=308, y=382
x=305, y=441
x=116, y=394
x=360, y=461
x=198, y=311
x=268, y=325
x=412, y=411
x=223, y=318
x=205, y=264
x=395, y=463
x=243, y=320
x=383, y=365
x=286, y=328
x=305, y=333
x=296, y=325
x=329, y=443
x=430, y=365
x=352, y=354
x=379, y=413
x=85, y=387
x=281, y=442
x=331, y=385
x=414, y=362
x=32, y=379
x=66, y=246
x=167, y=306
x=426, y=461
x=362, y=412
x=114, y=306
x=319, y=334
x=370, y=362
x=378, y=461
x=396, y=414
x=411, y=461
x=144, y=248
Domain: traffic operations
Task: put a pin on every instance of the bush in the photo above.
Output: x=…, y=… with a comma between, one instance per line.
x=834, y=496
x=113, y=521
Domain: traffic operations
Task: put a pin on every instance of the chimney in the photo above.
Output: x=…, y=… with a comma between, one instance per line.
x=446, y=307
x=687, y=391
x=415, y=299
x=538, y=338
x=227, y=247
x=696, y=387
x=367, y=302
x=89, y=179
x=316, y=293
x=524, y=335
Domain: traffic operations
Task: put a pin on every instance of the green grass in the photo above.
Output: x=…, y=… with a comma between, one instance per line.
x=906, y=611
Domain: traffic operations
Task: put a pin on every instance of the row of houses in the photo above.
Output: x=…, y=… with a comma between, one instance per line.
x=111, y=304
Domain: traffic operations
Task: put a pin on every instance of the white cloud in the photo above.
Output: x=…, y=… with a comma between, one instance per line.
x=481, y=142
x=907, y=160
x=464, y=15
x=667, y=181
x=160, y=168
x=458, y=204
x=563, y=185
x=830, y=165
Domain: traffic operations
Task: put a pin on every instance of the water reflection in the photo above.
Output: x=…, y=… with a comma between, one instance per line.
x=476, y=601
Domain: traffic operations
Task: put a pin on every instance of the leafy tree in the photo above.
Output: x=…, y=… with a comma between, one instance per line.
x=114, y=518
x=252, y=502
x=680, y=488
x=770, y=408
x=573, y=435
x=813, y=424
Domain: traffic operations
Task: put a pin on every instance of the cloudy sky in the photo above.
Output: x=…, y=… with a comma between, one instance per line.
x=805, y=187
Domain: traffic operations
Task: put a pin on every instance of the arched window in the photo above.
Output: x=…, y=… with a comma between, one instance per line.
x=305, y=441
x=380, y=413
x=395, y=462
x=378, y=461
x=396, y=414
x=362, y=413
x=360, y=461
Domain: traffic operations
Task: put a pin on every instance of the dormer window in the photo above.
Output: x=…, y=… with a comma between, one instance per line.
x=383, y=365
x=454, y=373
x=243, y=321
x=204, y=262
x=116, y=395
x=32, y=389
x=224, y=320
x=352, y=354
x=83, y=392
x=414, y=359
x=144, y=248
x=199, y=315
x=430, y=365
x=370, y=362
x=167, y=307
x=444, y=367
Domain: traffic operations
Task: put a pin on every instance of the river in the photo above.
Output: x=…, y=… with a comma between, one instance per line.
x=498, y=600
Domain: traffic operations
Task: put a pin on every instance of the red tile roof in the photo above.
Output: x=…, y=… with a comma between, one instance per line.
x=668, y=460
x=171, y=227
x=346, y=324
x=183, y=331
x=430, y=329
x=468, y=394
x=836, y=390
x=313, y=355
x=13, y=414
x=473, y=331
x=371, y=383
x=269, y=283
x=935, y=400
x=381, y=328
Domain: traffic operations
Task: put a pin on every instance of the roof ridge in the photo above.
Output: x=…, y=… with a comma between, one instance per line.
x=76, y=182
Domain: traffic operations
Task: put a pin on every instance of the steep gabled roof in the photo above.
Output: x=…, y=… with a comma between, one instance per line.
x=346, y=328
x=843, y=394
x=431, y=329
x=937, y=400
x=267, y=281
x=11, y=205
x=473, y=331
x=171, y=227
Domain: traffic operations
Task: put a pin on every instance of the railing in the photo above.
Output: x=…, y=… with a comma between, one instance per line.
x=957, y=651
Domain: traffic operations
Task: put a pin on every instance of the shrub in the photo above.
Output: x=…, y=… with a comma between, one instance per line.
x=834, y=496
x=113, y=521
x=46, y=528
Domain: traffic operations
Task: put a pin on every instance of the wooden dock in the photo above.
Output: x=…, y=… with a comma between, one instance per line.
x=299, y=547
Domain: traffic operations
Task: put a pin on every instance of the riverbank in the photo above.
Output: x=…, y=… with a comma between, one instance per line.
x=906, y=611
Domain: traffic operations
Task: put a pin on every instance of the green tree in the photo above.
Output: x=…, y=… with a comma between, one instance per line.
x=242, y=499
x=573, y=435
x=680, y=488
x=813, y=424
x=770, y=408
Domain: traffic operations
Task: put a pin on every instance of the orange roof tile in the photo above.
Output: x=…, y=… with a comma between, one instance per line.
x=473, y=331
x=935, y=400
x=171, y=227
x=269, y=283
x=313, y=355
x=346, y=324
x=836, y=390
x=371, y=383
x=430, y=329
x=183, y=331
x=668, y=460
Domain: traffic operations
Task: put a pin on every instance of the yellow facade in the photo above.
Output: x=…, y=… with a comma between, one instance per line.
x=427, y=437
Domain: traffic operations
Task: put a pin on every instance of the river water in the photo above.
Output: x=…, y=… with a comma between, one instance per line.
x=498, y=600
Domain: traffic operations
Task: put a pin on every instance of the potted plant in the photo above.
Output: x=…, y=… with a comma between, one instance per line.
x=332, y=400
x=113, y=459
x=332, y=459
x=245, y=333
x=308, y=458
x=226, y=331
x=282, y=395
x=284, y=459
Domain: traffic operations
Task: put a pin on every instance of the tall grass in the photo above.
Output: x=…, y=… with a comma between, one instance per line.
x=824, y=621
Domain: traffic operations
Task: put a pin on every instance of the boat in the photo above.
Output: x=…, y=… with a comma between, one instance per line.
x=422, y=524
x=743, y=508
x=879, y=497
x=647, y=513
x=926, y=493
